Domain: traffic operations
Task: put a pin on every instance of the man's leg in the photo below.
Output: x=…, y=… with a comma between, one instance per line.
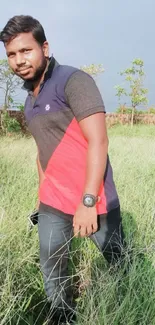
x=110, y=237
x=55, y=238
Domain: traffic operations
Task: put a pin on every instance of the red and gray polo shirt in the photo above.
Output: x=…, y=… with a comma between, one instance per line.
x=66, y=96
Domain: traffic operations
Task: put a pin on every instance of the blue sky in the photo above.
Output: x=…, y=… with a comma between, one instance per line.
x=103, y=31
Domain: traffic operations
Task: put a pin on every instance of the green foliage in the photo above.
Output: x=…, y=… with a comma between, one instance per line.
x=120, y=91
x=9, y=124
x=9, y=83
x=151, y=110
x=20, y=107
x=134, y=76
x=128, y=110
x=124, y=110
x=93, y=69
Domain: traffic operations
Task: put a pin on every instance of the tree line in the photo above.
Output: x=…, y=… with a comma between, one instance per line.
x=132, y=91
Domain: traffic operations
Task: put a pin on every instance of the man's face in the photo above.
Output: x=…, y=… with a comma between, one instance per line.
x=26, y=57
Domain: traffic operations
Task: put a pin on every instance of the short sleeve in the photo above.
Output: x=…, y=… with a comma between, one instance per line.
x=83, y=96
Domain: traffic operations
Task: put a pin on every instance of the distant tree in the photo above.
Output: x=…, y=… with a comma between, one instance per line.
x=137, y=93
x=9, y=83
x=93, y=69
x=120, y=91
x=151, y=110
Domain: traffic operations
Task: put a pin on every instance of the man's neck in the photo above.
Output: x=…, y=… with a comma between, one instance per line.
x=37, y=84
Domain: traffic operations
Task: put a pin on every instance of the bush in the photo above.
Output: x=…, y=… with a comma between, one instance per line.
x=124, y=110
x=151, y=110
x=9, y=124
x=128, y=110
x=20, y=107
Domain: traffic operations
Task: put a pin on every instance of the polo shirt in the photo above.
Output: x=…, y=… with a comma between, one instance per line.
x=67, y=95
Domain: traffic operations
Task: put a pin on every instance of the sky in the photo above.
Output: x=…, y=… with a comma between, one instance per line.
x=82, y=32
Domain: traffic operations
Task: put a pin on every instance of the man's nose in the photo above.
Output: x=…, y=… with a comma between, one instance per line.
x=20, y=60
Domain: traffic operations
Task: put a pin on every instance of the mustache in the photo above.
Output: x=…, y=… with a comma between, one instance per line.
x=23, y=68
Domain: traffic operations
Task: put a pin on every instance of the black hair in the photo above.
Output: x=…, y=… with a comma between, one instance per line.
x=23, y=24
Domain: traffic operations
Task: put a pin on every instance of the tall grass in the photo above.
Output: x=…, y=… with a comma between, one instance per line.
x=108, y=296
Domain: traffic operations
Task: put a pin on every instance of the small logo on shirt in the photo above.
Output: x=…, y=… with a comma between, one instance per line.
x=47, y=107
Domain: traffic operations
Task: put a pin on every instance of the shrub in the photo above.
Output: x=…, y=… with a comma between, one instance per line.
x=9, y=124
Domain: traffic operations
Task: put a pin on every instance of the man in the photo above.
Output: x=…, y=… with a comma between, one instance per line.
x=66, y=116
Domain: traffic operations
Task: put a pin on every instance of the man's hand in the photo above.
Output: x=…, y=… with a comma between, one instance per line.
x=85, y=221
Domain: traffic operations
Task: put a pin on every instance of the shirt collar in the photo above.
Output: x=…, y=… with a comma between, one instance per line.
x=52, y=64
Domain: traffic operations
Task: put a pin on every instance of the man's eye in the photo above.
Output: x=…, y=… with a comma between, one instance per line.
x=26, y=50
x=11, y=55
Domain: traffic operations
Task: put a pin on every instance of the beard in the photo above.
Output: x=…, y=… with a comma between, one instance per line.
x=38, y=72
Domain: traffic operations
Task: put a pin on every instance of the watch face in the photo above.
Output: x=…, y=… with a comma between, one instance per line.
x=88, y=201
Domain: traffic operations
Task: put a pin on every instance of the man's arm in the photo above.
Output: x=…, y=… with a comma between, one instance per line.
x=85, y=219
x=97, y=151
x=87, y=105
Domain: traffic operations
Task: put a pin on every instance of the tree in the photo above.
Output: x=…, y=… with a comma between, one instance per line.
x=9, y=83
x=120, y=92
x=93, y=69
x=137, y=93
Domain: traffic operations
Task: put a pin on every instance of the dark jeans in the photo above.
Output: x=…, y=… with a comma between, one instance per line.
x=55, y=235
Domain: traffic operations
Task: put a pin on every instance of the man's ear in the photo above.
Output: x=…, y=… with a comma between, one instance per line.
x=46, y=49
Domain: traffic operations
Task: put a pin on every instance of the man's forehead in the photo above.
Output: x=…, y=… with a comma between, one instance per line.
x=23, y=39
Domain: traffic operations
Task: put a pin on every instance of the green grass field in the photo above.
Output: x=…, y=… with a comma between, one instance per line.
x=107, y=297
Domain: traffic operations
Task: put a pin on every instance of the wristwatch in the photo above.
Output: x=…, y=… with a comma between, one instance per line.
x=90, y=200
